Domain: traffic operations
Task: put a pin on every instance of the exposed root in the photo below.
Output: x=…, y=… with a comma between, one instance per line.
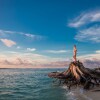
x=77, y=75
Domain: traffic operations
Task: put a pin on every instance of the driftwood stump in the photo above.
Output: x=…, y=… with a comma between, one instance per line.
x=77, y=75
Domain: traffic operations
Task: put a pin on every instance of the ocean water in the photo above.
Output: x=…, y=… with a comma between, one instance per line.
x=32, y=84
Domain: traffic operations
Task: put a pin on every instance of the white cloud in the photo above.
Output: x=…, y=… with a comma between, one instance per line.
x=8, y=43
x=57, y=51
x=29, y=35
x=12, y=52
x=90, y=34
x=87, y=34
x=85, y=18
x=32, y=36
x=6, y=32
x=18, y=47
x=31, y=49
x=98, y=51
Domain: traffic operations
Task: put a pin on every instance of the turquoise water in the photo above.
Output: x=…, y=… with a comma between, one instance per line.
x=29, y=84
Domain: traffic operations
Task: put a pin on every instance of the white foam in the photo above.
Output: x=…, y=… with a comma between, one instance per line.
x=76, y=94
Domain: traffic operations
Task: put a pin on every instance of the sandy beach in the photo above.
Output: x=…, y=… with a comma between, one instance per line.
x=80, y=94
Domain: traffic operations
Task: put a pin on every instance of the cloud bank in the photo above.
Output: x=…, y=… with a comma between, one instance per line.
x=30, y=60
x=33, y=60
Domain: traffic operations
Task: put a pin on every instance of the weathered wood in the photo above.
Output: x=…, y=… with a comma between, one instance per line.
x=77, y=74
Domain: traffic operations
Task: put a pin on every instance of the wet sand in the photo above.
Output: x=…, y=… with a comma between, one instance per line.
x=81, y=94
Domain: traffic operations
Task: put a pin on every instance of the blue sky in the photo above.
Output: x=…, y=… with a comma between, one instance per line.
x=49, y=28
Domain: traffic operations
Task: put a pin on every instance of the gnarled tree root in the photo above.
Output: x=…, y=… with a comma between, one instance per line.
x=77, y=75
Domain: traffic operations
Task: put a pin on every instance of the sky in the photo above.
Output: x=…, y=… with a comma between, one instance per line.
x=40, y=33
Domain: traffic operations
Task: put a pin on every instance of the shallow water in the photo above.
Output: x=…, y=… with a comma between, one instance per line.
x=28, y=84
x=33, y=84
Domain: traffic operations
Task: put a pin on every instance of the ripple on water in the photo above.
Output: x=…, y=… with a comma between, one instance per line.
x=29, y=84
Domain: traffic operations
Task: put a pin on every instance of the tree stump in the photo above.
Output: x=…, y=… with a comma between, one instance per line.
x=77, y=74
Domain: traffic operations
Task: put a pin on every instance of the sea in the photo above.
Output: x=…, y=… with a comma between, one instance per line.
x=34, y=84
